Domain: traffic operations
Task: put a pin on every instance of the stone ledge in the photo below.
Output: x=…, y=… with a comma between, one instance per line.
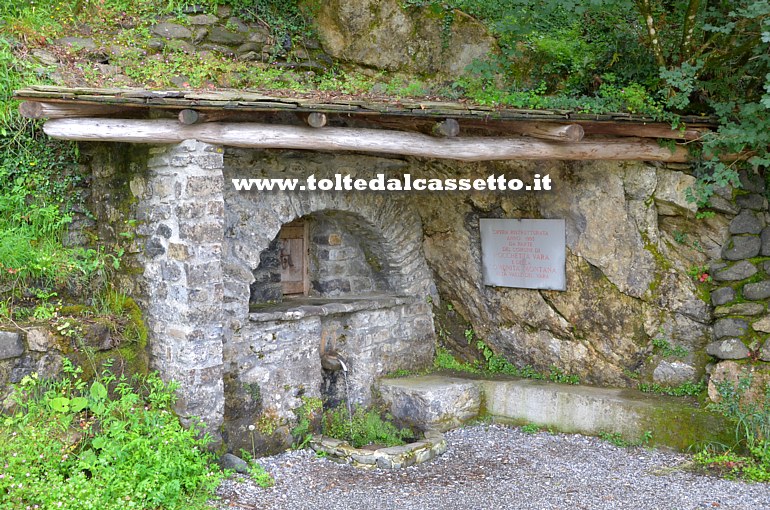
x=392, y=457
x=292, y=310
x=674, y=421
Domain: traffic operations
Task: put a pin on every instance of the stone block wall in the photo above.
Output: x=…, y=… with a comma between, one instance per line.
x=742, y=282
x=278, y=359
x=266, y=287
x=339, y=265
x=22, y=353
x=179, y=206
x=363, y=246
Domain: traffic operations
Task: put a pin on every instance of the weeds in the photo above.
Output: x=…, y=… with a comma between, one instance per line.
x=113, y=443
x=368, y=427
x=686, y=389
x=496, y=364
x=664, y=348
x=752, y=432
x=617, y=439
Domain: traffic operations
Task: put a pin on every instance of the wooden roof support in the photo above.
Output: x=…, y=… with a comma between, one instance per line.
x=449, y=127
x=51, y=110
x=555, y=132
x=266, y=136
x=316, y=119
x=188, y=117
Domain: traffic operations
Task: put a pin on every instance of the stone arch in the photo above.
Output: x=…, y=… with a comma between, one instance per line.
x=391, y=226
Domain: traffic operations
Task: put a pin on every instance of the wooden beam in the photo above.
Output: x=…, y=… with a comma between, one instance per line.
x=657, y=130
x=50, y=110
x=188, y=117
x=266, y=136
x=545, y=131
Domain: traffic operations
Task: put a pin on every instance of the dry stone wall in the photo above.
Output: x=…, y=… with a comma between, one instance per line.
x=741, y=291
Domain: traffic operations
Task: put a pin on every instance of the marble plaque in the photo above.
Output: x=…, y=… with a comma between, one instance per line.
x=528, y=254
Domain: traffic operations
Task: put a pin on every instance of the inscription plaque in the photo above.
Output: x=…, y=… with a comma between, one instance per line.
x=528, y=254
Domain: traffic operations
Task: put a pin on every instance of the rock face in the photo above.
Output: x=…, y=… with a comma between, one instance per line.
x=626, y=274
x=381, y=34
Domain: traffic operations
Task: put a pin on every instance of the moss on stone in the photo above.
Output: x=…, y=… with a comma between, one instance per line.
x=661, y=262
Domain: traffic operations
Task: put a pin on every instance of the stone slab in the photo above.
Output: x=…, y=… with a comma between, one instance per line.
x=11, y=344
x=738, y=271
x=524, y=253
x=739, y=309
x=40, y=340
x=432, y=402
x=673, y=422
x=722, y=296
x=741, y=247
x=730, y=327
x=762, y=325
x=758, y=290
x=747, y=222
x=728, y=348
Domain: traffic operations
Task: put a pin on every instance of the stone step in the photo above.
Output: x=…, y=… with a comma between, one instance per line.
x=437, y=402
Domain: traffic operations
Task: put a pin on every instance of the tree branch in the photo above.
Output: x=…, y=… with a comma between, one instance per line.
x=646, y=11
x=688, y=28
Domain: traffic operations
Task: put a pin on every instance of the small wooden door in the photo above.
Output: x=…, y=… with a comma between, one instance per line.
x=293, y=244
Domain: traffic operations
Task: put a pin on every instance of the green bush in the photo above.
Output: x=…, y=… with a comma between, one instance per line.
x=111, y=444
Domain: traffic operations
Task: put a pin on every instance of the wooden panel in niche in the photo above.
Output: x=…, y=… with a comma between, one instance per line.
x=293, y=247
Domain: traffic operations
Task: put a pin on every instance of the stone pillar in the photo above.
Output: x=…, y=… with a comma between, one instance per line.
x=183, y=227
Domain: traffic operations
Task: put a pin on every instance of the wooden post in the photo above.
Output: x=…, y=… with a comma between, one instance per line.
x=316, y=119
x=188, y=117
x=449, y=127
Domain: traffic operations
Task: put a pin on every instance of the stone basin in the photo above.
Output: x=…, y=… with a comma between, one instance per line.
x=431, y=446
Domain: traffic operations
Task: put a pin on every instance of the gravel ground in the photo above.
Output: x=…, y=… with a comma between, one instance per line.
x=491, y=467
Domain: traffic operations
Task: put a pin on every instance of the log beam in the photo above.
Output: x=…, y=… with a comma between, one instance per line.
x=188, y=117
x=267, y=136
x=50, y=110
x=316, y=119
x=554, y=132
x=656, y=130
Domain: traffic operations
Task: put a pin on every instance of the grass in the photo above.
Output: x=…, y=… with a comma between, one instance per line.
x=617, y=439
x=496, y=364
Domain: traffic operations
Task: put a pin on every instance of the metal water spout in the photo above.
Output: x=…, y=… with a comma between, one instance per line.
x=333, y=362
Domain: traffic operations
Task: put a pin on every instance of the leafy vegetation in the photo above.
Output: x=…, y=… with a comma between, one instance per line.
x=113, y=443
x=496, y=364
x=658, y=58
x=365, y=427
x=618, y=440
x=663, y=347
x=308, y=415
x=686, y=389
x=752, y=432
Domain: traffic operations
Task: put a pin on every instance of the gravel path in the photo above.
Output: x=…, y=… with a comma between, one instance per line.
x=496, y=467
